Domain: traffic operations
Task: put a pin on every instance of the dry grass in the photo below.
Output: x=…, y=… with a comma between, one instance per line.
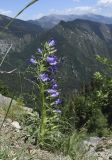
x=16, y=111
x=13, y=145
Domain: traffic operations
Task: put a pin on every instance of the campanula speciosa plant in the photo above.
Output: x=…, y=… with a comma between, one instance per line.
x=46, y=63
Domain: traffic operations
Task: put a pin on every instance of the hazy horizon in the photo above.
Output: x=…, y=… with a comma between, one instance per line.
x=63, y=7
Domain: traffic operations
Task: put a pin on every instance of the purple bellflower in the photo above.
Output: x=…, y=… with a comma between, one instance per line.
x=55, y=86
x=52, y=60
x=58, y=101
x=44, y=77
x=52, y=43
x=39, y=50
x=33, y=60
x=53, y=92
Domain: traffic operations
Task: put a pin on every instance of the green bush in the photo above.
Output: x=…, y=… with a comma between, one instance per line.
x=97, y=123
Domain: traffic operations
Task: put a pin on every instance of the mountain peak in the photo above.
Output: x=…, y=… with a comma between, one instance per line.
x=48, y=22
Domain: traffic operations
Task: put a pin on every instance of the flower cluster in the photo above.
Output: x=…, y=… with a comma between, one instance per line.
x=47, y=69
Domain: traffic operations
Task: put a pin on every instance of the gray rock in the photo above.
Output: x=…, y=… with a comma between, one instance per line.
x=100, y=148
x=94, y=140
x=16, y=125
x=5, y=101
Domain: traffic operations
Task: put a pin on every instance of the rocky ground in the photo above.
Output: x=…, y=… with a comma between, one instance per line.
x=13, y=144
x=101, y=148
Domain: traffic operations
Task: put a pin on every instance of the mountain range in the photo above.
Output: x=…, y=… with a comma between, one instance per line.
x=20, y=34
x=78, y=42
x=48, y=22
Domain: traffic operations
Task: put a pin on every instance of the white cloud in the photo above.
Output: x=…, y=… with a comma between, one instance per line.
x=105, y=2
x=5, y=12
x=81, y=10
x=77, y=10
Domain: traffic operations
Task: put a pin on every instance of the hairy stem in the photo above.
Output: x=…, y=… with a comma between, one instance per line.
x=43, y=115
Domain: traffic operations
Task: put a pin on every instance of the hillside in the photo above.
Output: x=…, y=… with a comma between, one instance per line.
x=23, y=36
x=78, y=43
x=48, y=22
x=20, y=34
x=51, y=106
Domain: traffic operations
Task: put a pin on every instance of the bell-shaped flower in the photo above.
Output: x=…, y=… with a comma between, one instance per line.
x=55, y=86
x=52, y=60
x=39, y=50
x=52, y=43
x=58, y=101
x=56, y=94
x=44, y=77
x=53, y=92
x=33, y=60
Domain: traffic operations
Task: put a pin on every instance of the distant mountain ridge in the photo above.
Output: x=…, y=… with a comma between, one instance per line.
x=20, y=33
x=18, y=25
x=78, y=42
x=25, y=38
x=48, y=22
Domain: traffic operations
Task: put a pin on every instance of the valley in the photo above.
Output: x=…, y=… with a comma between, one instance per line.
x=78, y=42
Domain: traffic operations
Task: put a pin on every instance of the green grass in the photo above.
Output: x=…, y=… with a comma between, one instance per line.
x=16, y=112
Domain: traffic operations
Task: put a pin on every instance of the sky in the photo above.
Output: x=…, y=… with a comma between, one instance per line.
x=63, y=7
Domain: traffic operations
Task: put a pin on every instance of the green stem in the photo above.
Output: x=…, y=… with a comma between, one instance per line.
x=43, y=115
